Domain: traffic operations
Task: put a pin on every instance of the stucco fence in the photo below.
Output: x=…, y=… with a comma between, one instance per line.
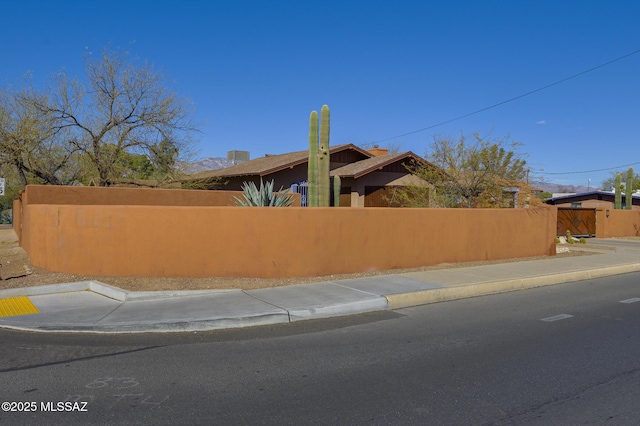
x=175, y=233
x=611, y=223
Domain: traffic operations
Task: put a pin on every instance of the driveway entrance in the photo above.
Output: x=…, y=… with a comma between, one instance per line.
x=580, y=222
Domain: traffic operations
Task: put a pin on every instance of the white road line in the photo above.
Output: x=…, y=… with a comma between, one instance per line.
x=632, y=300
x=556, y=318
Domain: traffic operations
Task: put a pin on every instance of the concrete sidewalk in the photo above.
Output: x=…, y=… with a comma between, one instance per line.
x=99, y=308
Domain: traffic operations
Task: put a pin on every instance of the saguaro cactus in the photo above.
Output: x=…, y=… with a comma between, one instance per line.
x=618, y=189
x=336, y=191
x=628, y=193
x=312, y=171
x=324, y=188
x=319, y=158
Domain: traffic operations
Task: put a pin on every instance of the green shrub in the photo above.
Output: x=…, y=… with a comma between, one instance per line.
x=6, y=216
x=569, y=237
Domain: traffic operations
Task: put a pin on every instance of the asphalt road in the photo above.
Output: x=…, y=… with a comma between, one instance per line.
x=566, y=354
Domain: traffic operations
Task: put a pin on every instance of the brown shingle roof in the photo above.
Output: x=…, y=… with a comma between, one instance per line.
x=270, y=164
x=363, y=167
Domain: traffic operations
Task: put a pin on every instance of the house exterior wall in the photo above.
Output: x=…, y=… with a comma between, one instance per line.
x=588, y=204
x=349, y=182
x=199, y=241
x=380, y=179
x=282, y=178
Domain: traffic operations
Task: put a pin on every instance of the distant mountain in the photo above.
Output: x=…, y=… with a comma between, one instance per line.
x=209, y=163
x=555, y=188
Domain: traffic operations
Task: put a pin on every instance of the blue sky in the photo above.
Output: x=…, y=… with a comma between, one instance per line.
x=254, y=70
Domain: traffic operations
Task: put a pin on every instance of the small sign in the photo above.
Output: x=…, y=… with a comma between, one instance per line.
x=1, y=186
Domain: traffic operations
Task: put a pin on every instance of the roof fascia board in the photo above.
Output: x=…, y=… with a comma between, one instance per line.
x=338, y=148
x=395, y=159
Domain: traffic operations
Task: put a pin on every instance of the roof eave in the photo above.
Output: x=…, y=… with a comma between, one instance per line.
x=380, y=166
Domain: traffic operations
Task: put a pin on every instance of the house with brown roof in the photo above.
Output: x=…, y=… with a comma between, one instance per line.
x=370, y=182
x=367, y=176
x=593, y=200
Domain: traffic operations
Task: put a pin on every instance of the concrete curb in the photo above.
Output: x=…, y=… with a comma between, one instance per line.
x=120, y=295
x=46, y=289
x=105, y=290
x=352, y=308
x=425, y=297
x=161, y=327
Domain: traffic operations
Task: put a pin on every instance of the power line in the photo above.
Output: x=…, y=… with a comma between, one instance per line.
x=589, y=171
x=512, y=99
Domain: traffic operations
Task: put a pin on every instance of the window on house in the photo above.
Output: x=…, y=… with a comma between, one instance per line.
x=576, y=205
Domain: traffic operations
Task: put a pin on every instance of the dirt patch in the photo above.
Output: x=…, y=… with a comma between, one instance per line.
x=9, y=250
x=14, y=263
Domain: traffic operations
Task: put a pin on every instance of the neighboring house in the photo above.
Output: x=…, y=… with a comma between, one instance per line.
x=562, y=194
x=367, y=176
x=522, y=195
x=592, y=199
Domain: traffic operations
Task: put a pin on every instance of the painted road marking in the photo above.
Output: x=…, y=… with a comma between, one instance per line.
x=556, y=318
x=632, y=300
x=17, y=306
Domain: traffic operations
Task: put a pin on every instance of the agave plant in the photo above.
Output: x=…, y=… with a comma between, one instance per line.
x=264, y=197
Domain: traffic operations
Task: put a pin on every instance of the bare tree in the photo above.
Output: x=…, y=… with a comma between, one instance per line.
x=31, y=143
x=394, y=147
x=121, y=108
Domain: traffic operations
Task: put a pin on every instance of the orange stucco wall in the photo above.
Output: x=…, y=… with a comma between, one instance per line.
x=618, y=223
x=198, y=241
x=87, y=195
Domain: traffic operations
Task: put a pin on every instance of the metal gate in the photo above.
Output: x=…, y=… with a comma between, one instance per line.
x=580, y=222
x=302, y=188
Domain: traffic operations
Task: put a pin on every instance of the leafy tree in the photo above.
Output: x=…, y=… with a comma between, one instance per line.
x=138, y=166
x=544, y=195
x=120, y=112
x=610, y=183
x=469, y=172
x=164, y=157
